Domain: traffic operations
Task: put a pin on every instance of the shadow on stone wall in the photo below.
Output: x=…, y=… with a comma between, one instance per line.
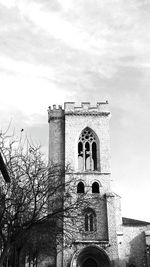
x=138, y=251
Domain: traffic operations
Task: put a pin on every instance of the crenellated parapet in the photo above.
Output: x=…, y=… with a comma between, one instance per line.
x=55, y=112
x=70, y=108
x=86, y=108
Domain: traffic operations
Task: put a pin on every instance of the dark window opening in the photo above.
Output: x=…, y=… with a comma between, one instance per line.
x=86, y=222
x=91, y=222
x=80, y=149
x=87, y=156
x=90, y=262
x=80, y=155
x=95, y=187
x=94, y=155
x=80, y=187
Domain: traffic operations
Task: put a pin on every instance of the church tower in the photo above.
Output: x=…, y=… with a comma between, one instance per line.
x=79, y=136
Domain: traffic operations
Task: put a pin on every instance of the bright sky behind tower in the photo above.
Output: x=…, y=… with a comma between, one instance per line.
x=83, y=50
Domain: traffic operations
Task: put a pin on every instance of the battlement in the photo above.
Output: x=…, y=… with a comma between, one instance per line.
x=55, y=112
x=86, y=108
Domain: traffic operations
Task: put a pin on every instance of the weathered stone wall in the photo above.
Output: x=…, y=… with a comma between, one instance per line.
x=112, y=228
x=134, y=245
x=56, y=121
x=88, y=178
x=104, y=203
x=76, y=120
x=119, y=231
x=124, y=244
x=100, y=233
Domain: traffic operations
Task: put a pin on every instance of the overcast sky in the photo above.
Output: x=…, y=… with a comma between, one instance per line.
x=52, y=51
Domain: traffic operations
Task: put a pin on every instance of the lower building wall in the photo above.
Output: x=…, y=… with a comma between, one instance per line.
x=131, y=250
x=134, y=246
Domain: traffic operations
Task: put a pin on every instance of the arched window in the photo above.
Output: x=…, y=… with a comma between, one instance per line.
x=95, y=187
x=89, y=218
x=80, y=187
x=87, y=150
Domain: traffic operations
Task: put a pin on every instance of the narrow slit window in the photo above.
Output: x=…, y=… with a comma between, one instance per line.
x=87, y=156
x=94, y=155
x=80, y=155
x=91, y=222
x=86, y=222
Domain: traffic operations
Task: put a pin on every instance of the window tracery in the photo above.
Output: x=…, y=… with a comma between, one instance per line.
x=87, y=151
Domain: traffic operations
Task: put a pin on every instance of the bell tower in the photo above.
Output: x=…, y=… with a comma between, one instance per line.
x=79, y=136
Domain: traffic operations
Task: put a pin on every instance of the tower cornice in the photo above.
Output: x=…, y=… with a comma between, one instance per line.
x=86, y=113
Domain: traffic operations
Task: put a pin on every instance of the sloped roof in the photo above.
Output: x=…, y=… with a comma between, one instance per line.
x=133, y=222
x=3, y=170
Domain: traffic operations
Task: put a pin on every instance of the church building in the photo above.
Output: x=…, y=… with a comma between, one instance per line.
x=79, y=136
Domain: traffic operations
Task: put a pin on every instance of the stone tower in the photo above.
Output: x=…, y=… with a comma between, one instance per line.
x=79, y=136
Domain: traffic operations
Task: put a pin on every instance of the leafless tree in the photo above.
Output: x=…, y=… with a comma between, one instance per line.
x=33, y=202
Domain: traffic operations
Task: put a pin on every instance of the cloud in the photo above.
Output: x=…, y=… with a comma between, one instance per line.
x=56, y=26
x=83, y=33
x=29, y=94
x=24, y=68
x=8, y=3
x=78, y=45
x=83, y=50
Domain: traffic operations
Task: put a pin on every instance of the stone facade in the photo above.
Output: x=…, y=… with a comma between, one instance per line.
x=79, y=136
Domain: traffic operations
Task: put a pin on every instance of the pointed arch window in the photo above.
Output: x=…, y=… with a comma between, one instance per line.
x=87, y=151
x=90, y=221
x=95, y=187
x=80, y=187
